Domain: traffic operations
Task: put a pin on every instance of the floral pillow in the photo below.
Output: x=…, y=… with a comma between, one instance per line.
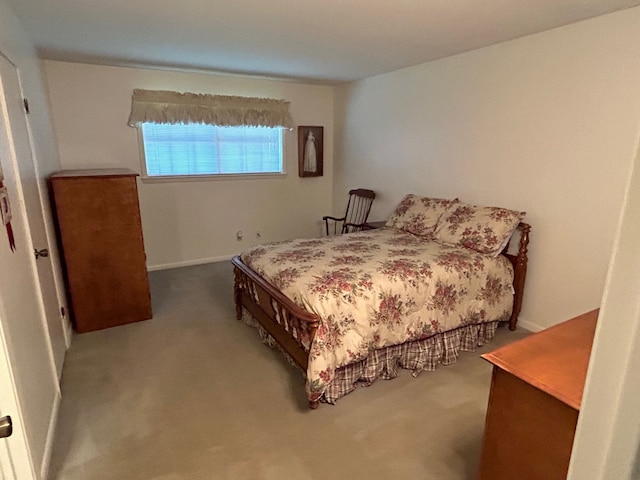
x=484, y=229
x=418, y=215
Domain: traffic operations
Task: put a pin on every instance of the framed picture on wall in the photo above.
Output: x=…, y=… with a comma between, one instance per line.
x=310, y=151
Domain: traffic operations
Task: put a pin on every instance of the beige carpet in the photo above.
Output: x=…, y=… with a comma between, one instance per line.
x=194, y=394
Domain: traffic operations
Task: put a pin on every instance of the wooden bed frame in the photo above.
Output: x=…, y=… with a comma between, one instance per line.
x=286, y=322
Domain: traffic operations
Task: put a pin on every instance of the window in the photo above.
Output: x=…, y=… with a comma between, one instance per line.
x=199, y=134
x=194, y=149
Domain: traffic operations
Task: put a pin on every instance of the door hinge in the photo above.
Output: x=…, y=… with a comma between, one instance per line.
x=6, y=427
x=25, y=102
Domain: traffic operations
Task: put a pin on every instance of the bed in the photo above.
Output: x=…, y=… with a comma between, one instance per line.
x=437, y=279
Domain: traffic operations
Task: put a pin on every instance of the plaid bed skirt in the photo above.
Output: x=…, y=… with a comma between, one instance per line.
x=417, y=356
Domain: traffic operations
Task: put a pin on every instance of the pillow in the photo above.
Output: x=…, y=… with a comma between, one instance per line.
x=483, y=229
x=418, y=215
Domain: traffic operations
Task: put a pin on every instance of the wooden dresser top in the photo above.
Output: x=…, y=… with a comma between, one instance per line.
x=95, y=172
x=554, y=360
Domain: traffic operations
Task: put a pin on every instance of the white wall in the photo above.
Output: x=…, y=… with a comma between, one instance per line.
x=193, y=221
x=606, y=443
x=547, y=124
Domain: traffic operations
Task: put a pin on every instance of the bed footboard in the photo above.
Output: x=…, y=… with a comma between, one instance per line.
x=291, y=326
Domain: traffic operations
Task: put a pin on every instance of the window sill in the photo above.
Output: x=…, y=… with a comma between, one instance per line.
x=208, y=178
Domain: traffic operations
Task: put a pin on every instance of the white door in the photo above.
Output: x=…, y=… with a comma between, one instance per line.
x=24, y=339
x=15, y=463
x=19, y=137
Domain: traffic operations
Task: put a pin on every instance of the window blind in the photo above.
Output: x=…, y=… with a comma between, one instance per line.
x=196, y=149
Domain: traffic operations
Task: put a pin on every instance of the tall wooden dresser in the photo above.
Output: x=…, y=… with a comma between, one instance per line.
x=534, y=402
x=98, y=219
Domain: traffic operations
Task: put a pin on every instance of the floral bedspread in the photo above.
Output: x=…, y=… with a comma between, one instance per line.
x=381, y=287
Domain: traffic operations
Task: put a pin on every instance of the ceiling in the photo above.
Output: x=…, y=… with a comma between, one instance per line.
x=324, y=41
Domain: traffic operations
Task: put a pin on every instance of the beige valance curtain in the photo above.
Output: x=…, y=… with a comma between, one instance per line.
x=162, y=106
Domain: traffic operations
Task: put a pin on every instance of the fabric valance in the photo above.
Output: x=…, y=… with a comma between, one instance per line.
x=162, y=106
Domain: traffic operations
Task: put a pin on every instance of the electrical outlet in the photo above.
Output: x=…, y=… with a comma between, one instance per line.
x=239, y=235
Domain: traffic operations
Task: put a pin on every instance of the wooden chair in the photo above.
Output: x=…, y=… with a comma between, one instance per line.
x=356, y=214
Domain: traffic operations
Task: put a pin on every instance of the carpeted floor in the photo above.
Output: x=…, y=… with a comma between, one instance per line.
x=194, y=394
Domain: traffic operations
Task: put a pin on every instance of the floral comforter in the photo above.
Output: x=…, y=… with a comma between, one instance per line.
x=379, y=288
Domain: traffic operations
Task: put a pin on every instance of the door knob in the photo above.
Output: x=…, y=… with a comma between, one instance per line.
x=6, y=427
x=41, y=253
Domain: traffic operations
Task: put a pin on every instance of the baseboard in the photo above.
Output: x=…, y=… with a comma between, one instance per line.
x=528, y=325
x=48, y=447
x=67, y=327
x=188, y=263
